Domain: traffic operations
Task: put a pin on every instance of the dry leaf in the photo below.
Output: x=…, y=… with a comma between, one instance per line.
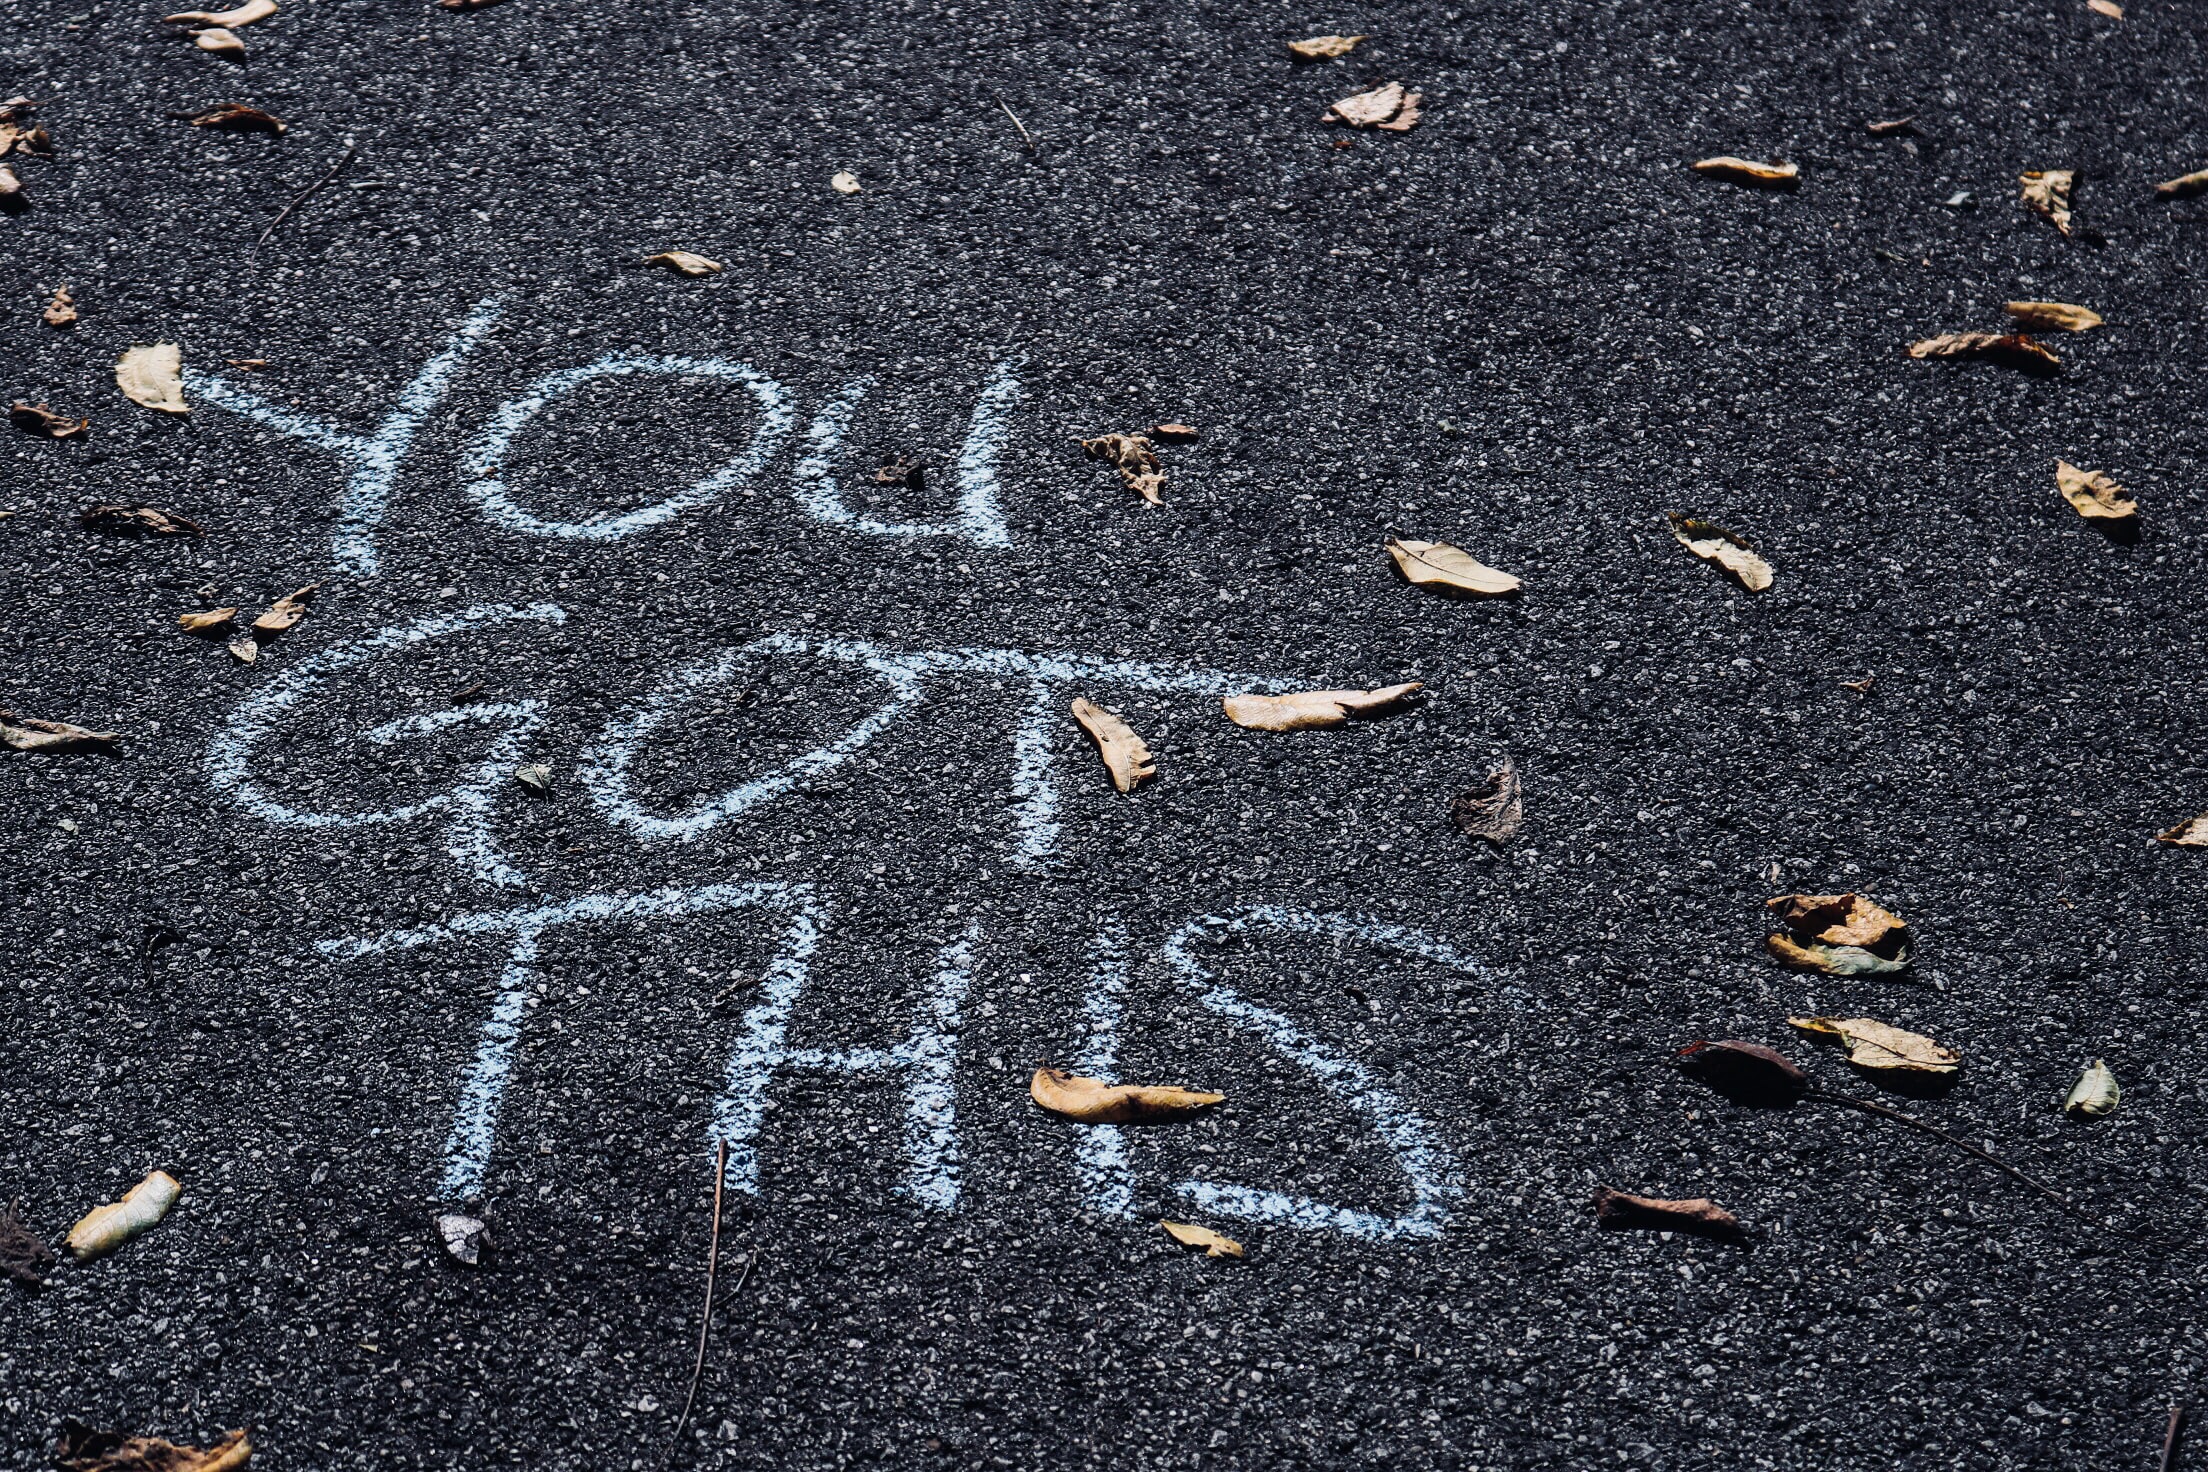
x=902, y=470
x=537, y=777
x=250, y=365
x=1714, y=544
x=1873, y=1044
x=2053, y=316
x=105, y=1228
x=2092, y=494
x=2192, y=833
x=137, y=521
x=81, y=1449
x=11, y=188
x=1092, y=1101
x=2009, y=349
x=2184, y=186
x=1839, y=935
x=284, y=612
x=220, y=42
x=1388, y=108
x=1306, y=709
x=466, y=4
x=1699, y=1215
x=1137, y=460
x=1125, y=756
x=2108, y=8
x=684, y=262
x=244, y=15
x=62, y=310
x=1324, y=48
x=1747, y=1073
x=2048, y=192
x=1174, y=434
x=153, y=377
x=244, y=650
x=22, y=1256
x=1887, y=127
x=209, y=621
x=26, y=733
x=1213, y=1244
x=1448, y=569
x=1749, y=172
x=844, y=182
x=1493, y=811
x=236, y=117
x=464, y=1239
x=2094, y=1094
x=39, y=420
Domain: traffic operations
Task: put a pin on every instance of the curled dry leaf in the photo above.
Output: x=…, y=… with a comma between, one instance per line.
x=27, y=733
x=236, y=117
x=2094, y=1094
x=22, y=1256
x=244, y=15
x=2009, y=349
x=2048, y=192
x=44, y=422
x=1447, y=569
x=902, y=470
x=220, y=42
x=1888, y=127
x=463, y=1238
x=105, y=1228
x=207, y=621
x=153, y=376
x=62, y=310
x=1747, y=171
x=1388, y=108
x=683, y=262
x=1324, y=48
x=2184, y=186
x=244, y=650
x=1213, y=1244
x=2053, y=316
x=1713, y=544
x=1746, y=1073
x=81, y=1449
x=2108, y=8
x=137, y=521
x=2093, y=495
x=844, y=182
x=284, y=613
x=1174, y=434
x=1136, y=459
x=536, y=776
x=1621, y=1210
x=1306, y=709
x=1092, y=1101
x=2192, y=833
x=1839, y=935
x=1493, y=810
x=1125, y=756
x=1873, y=1044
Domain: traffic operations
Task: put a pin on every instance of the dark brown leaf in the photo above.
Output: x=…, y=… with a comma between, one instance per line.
x=1746, y=1073
x=2009, y=349
x=1621, y=1210
x=137, y=521
x=62, y=310
x=1136, y=459
x=81, y=1449
x=1492, y=811
x=39, y=420
x=27, y=733
x=236, y=117
x=22, y=1256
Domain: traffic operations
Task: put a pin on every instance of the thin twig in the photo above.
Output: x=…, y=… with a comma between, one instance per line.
x=281, y=215
x=2170, y=1438
x=705, y=1322
x=1025, y=136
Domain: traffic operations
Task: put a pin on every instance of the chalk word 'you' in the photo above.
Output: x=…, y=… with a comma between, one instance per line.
x=371, y=460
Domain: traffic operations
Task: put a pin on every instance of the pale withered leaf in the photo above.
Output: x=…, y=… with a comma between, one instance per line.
x=1136, y=460
x=220, y=42
x=11, y=189
x=1388, y=108
x=207, y=621
x=153, y=376
x=2092, y=494
x=844, y=182
x=536, y=776
x=105, y=1228
x=137, y=521
x=2009, y=349
x=463, y=1238
x=284, y=613
x=2184, y=186
x=2053, y=316
x=1092, y=1101
x=2108, y=8
x=683, y=262
x=62, y=310
x=1324, y=48
x=1493, y=810
x=2095, y=1094
x=1621, y=1210
x=244, y=15
x=1878, y=1045
x=1125, y=755
x=1447, y=569
x=2047, y=191
x=1213, y=1244
x=244, y=650
x=1721, y=548
x=81, y=1449
x=1888, y=127
x=1306, y=709
x=1747, y=171
x=2192, y=833
x=42, y=421
x=27, y=733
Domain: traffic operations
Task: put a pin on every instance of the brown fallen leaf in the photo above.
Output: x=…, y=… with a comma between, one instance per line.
x=1494, y=810
x=1324, y=48
x=62, y=310
x=153, y=376
x=1621, y=1210
x=1136, y=459
x=137, y=521
x=2009, y=349
x=2048, y=191
x=81, y=1449
x=283, y=613
x=1746, y=1073
x=1887, y=127
x=2093, y=495
x=1174, y=434
x=250, y=365
x=39, y=420
x=1721, y=548
x=237, y=117
x=244, y=15
x=1449, y=570
x=26, y=733
x=11, y=188
x=1774, y=175
x=1125, y=756
x=1307, y=709
x=220, y=42
x=685, y=262
x=2192, y=833
x=207, y=621
x=2108, y=8
x=243, y=649
x=1879, y=1045
x=904, y=471
x=2184, y=186
x=1860, y=687
x=105, y=1228
x=1839, y=935
x=1092, y=1101
x=1388, y=108
x=1213, y=1244
x=2053, y=316
x=22, y=1256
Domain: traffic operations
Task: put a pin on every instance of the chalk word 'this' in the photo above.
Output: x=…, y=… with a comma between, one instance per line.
x=922, y=1060
x=372, y=459
x=467, y=807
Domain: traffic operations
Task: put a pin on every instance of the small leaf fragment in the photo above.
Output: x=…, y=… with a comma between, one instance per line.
x=284, y=613
x=27, y=733
x=1324, y=48
x=153, y=376
x=1493, y=810
x=1388, y=108
x=244, y=15
x=1715, y=545
x=536, y=776
x=2108, y=8
x=2192, y=833
x=11, y=189
x=1879, y=1045
x=1125, y=755
x=220, y=42
x=1888, y=127
x=1621, y=1210
x=207, y=621
x=844, y=182
x=463, y=1238
x=1136, y=459
x=105, y=1228
x=2095, y=1094
x=2047, y=191
x=244, y=650
x=2053, y=316
x=2093, y=495
x=1747, y=171
x=237, y=117
x=81, y=1449
x=1174, y=434
x=137, y=521
x=684, y=262
x=1450, y=570
x=62, y=310
x=2184, y=186
x=2009, y=349
x=1213, y=1244
x=22, y=1256
x=1308, y=709
x=42, y=421
x=1092, y=1101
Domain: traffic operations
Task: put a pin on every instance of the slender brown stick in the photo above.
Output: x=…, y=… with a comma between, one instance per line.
x=1025, y=136
x=342, y=160
x=705, y=1322
x=2170, y=1438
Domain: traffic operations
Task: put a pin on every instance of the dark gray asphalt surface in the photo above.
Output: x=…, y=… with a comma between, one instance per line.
x=1524, y=327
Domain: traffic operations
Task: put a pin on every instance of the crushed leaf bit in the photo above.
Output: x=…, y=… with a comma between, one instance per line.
x=464, y=1239
x=236, y=117
x=1388, y=108
x=1213, y=1244
x=844, y=182
x=684, y=262
x=1136, y=459
x=902, y=470
x=22, y=1256
x=1747, y=1073
x=2095, y=1094
x=1310, y=708
x=2184, y=186
x=1450, y=570
x=1092, y=1101
x=45, y=423
x=2093, y=495
x=1775, y=175
x=2108, y=8
x=537, y=777
x=244, y=15
x=153, y=376
x=1174, y=434
x=2009, y=349
x=2053, y=316
x=62, y=310
x=1715, y=545
x=1888, y=127
x=244, y=650
x=81, y=1449
x=1493, y=810
x=207, y=621
x=1839, y=935
x=2192, y=833
x=137, y=521
x=1125, y=756
x=1873, y=1044
x=1623, y=1211
x=105, y=1228
x=11, y=188
x=284, y=613
x=27, y=733
x=2048, y=192
x=220, y=42
x=1324, y=48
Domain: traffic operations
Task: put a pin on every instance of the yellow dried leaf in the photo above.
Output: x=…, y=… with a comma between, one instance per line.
x=2095, y=1094
x=844, y=182
x=684, y=262
x=2092, y=494
x=207, y=621
x=2010, y=349
x=2184, y=186
x=105, y=1228
x=1839, y=935
x=153, y=377
x=219, y=41
x=1125, y=756
x=1213, y=1244
x=2192, y=833
x=82, y=1449
x=1324, y=48
x=2054, y=316
x=1448, y=569
x=1713, y=544
x=62, y=310
x=1873, y=1044
x=1092, y=1101
x=1748, y=171
x=1388, y=108
x=27, y=733
x=284, y=612
x=244, y=650
x=1306, y=709
x=2048, y=192
x=1136, y=459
